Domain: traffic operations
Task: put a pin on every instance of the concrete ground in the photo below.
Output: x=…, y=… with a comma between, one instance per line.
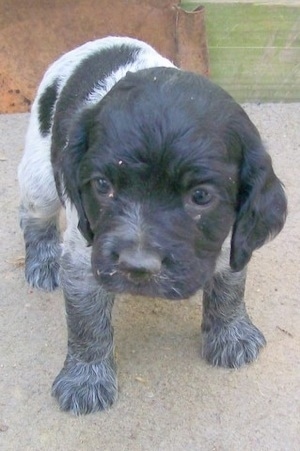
x=170, y=399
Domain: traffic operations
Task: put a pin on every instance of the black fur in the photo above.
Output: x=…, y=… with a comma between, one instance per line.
x=173, y=190
x=172, y=131
x=46, y=107
x=90, y=73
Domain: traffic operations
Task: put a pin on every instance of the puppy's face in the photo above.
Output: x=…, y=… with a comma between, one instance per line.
x=157, y=181
x=158, y=219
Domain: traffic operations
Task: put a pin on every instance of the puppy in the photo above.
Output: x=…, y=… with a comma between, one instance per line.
x=167, y=189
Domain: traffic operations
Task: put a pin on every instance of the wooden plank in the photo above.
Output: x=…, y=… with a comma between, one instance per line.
x=254, y=50
x=257, y=2
x=34, y=33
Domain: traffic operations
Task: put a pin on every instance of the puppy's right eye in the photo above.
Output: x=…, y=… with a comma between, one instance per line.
x=201, y=196
x=103, y=186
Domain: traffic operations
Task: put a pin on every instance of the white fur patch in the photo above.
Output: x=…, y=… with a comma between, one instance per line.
x=223, y=262
x=38, y=190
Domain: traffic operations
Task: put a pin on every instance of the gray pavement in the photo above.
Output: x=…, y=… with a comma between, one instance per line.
x=169, y=399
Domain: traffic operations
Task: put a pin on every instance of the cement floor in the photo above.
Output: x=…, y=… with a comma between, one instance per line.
x=169, y=399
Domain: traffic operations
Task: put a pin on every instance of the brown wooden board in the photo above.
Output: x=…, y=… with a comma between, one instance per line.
x=33, y=33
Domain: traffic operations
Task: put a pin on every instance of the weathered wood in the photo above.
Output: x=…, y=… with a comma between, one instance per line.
x=255, y=50
x=257, y=2
x=33, y=33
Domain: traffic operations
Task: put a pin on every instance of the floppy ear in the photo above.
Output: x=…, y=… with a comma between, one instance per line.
x=71, y=157
x=262, y=204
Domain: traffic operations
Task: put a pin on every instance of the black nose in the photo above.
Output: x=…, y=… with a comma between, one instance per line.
x=139, y=264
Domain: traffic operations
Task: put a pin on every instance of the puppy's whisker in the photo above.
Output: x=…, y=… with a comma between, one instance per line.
x=106, y=273
x=161, y=277
x=175, y=290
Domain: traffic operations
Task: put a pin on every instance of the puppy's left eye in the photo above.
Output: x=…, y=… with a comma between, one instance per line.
x=103, y=186
x=201, y=196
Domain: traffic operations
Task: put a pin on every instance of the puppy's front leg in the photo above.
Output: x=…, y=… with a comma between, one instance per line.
x=87, y=382
x=229, y=337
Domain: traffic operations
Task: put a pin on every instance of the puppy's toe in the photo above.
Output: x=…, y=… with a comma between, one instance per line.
x=232, y=345
x=83, y=388
x=44, y=276
x=42, y=266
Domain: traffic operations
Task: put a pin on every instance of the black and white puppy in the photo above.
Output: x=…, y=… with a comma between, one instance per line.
x=167, y=189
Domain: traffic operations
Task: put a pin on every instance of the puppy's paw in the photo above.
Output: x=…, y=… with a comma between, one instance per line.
x=232, y=345
x=83, y=388
x=42, y=265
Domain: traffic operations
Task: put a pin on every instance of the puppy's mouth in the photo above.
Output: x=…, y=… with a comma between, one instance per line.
x=143, y=283
x=148, y=272
x=139, y=284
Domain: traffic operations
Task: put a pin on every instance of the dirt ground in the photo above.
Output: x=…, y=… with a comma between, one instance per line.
x=169, y=399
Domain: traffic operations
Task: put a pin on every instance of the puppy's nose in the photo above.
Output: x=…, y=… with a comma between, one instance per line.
x=139, y=264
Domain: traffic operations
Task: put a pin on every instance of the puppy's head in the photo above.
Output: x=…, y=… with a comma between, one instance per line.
x=161, y=171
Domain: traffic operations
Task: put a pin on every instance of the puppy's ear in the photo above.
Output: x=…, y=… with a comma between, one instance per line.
x=70, y=164
x=262, y=204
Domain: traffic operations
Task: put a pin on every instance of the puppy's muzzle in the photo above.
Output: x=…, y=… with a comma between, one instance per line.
x=138, y=264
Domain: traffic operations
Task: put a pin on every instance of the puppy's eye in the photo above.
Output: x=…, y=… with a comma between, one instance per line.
x=103, y=186
x=201, y=196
